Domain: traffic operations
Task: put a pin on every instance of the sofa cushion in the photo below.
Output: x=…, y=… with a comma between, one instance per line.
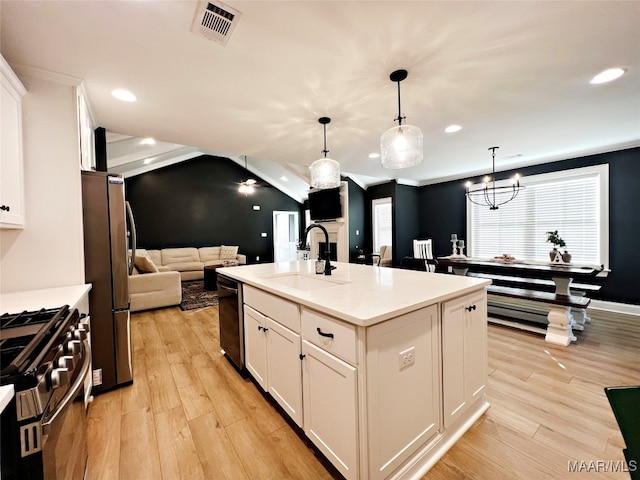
x=185, y=266
x=180, y=255
x=228, y=253
x=208, y=254
x=143, y=262
x=156, y=256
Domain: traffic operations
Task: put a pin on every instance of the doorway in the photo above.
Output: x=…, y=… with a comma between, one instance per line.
x=285, y=236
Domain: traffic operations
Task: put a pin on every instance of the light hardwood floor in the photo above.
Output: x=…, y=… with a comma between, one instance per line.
x=189, y=415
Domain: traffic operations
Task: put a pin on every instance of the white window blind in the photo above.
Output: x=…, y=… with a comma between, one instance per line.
x=382, y=222
x=574, y=202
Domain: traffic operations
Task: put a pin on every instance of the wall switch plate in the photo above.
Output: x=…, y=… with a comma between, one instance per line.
x=257, y=258
x=263, y=234
x=357, y=232
x=406, y=357
x=256, y=207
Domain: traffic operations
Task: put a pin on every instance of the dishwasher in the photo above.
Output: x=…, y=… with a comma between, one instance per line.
x=231, y=320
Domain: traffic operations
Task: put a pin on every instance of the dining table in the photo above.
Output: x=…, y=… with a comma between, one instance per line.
x=562, y=274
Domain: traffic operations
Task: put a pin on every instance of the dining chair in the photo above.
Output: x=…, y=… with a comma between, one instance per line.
x=423, y=249
x=413, y=263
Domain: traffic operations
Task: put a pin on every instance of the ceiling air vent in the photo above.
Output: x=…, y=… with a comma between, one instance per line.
x=215, y=21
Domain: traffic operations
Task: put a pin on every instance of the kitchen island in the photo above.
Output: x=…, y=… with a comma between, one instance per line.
x=383, y=369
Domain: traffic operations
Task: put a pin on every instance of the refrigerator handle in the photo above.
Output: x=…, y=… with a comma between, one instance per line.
x=132, y=225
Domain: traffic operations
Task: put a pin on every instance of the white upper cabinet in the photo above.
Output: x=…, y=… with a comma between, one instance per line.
x=11, y=164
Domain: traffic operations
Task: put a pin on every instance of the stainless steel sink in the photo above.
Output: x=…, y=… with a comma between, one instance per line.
x=304, y=282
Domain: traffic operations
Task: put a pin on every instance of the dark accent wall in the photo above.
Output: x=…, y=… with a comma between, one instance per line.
x=443, y=212
x=196, y=203
x=406, y=214
x=357, y=235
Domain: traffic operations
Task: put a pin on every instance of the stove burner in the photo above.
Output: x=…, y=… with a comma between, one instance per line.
x=23, y=336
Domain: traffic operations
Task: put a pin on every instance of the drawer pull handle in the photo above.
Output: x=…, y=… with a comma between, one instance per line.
x=264, y=329
x=302, y=355
x=472, y=307
x=321, y=333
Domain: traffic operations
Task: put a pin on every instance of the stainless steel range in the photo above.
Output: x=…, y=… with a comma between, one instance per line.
x=46, y=355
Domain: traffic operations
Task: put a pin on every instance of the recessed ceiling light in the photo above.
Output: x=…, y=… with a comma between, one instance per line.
x=374, y=155
x=124, y=95
x=453, y=128
x=147, y=141
x=608, y=75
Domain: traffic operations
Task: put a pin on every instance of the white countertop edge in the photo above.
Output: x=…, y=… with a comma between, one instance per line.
x=16, y=302
x=364, y=284
x=6, y=394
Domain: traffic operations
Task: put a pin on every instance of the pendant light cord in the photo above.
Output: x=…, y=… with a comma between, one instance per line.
x=399, y=118
x=325, y=151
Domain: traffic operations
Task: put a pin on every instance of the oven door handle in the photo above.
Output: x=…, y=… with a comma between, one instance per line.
x=232, y=290
x=73, y=391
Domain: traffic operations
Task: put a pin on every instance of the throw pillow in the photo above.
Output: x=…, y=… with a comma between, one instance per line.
x=144, y=264
x=228, y=253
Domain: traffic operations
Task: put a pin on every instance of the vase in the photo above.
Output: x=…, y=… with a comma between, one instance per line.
x=566, y=257
x=552, y=254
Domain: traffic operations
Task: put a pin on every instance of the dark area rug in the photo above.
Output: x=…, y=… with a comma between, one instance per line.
x=195, y=296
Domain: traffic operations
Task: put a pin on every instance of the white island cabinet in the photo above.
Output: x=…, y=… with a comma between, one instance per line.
x=383, y=369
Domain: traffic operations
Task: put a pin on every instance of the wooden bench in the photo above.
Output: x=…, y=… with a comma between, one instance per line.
x=535, y=283
x=560, y=320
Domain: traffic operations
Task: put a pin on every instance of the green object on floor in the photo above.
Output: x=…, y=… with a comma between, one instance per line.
x=625, y=403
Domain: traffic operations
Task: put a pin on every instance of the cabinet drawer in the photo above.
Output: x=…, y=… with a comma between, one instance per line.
x=284, y=311
x=330, y=334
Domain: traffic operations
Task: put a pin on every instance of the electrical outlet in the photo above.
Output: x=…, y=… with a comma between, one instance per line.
x=257, y=258
x=407, y=357
x=97, y=377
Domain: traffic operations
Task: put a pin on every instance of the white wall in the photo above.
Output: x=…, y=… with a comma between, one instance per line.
x=49, y=251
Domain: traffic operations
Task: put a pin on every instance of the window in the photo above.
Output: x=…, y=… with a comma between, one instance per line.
x=574, y=202
x=382, y=222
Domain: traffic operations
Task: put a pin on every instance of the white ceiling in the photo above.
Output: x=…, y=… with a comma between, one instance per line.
x=513, y=74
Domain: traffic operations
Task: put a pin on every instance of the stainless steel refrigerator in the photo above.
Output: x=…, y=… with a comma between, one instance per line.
x=106, y=268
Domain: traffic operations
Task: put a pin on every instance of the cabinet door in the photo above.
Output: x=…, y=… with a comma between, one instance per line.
x=330, y=408
x=255, y=345
x=285, y=369
x=453, y=319
x=11, y=179
x=464, y=353
x=475, y=346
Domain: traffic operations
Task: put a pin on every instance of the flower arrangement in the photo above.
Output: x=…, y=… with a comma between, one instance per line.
x=554, y=238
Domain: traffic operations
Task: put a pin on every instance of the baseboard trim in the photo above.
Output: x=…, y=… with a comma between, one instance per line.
x=627, y=308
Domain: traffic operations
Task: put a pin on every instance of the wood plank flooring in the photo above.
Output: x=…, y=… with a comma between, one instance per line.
x=189, y=415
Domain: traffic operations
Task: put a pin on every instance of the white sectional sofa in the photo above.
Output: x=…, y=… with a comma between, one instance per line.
x=156, y=280
x=190, y=261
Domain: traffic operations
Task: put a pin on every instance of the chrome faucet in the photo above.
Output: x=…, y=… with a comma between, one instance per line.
x=303, y=244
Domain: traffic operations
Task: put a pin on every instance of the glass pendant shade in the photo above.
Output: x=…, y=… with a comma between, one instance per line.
x=325, y=173
x=401, y=147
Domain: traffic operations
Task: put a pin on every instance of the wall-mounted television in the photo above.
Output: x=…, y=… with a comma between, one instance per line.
x=325, y=204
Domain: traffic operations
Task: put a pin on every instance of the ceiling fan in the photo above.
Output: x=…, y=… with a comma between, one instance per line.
x=248, y=186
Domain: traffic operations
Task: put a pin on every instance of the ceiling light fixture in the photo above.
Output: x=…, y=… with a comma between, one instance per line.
x=401, y=146
x=124, y=95
x=492, y=196
x=608, y=75
x=248, y=186
x=325, y=172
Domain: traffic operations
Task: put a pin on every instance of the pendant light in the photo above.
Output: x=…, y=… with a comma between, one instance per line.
x=325, y=172
x=490, y=195
x=248, y=186
x=401, y=146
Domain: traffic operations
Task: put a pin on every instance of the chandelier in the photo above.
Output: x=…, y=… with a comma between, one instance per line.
x=325, y=172
x=401, y=145
x=492, y=196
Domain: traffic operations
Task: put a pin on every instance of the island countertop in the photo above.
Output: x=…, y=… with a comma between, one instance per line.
x=360, y=294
